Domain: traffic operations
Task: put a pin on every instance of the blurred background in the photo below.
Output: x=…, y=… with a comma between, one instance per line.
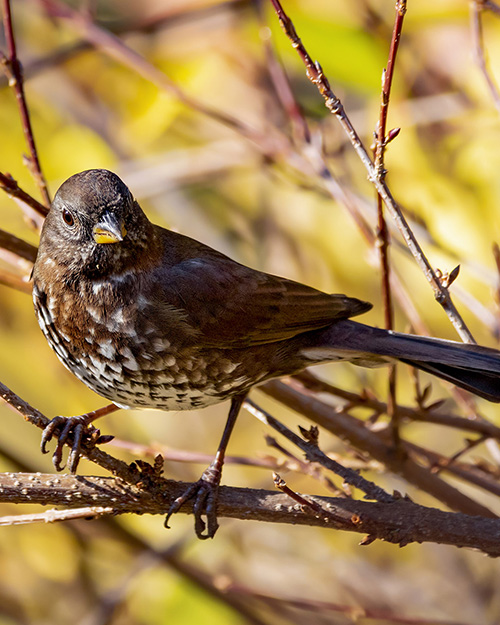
x=183, y=100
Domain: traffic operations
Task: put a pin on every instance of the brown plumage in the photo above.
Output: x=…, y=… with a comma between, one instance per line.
x=148, y=317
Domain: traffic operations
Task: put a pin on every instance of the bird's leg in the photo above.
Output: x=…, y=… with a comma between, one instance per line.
x=77, y=427
x=206, y=489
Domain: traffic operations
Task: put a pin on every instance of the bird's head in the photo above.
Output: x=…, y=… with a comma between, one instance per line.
x=94, y=224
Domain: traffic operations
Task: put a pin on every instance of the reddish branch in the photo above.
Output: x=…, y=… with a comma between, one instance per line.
x=383, y=238
x=13, y=69
x=316, y=76
x=17, y=246
x=381, y=141
x=10, y=186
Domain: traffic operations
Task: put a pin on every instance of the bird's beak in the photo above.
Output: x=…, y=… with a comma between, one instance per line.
x=109, y=230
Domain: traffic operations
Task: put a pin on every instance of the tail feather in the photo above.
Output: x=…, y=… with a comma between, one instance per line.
x=482, y=383
x=472, y=367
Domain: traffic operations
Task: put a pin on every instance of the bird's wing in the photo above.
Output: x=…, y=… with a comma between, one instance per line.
x=231, y=305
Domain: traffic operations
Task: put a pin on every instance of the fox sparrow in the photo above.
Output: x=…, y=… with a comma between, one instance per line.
x=150, y=318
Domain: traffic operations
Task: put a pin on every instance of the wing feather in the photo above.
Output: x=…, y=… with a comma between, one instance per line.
x=232, y=305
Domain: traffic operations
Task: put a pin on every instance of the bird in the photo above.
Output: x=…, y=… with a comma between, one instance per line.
x=150, y=318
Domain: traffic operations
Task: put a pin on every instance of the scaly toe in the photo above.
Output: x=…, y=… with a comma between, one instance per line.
x=205, y=492
x=48, y=432
x=77, y=427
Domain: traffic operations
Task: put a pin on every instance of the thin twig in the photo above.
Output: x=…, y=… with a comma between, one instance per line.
x=313, y=155
x=477, y=475
x=13, y=69
x=307, y=504
x=290, y=463
x=477, y=8
x=17, y=247
x=345, y=426
x=115, y=48
x=316, y=76
x=52, y=516
x=314, y=454
x=427, y=415
x=350, y=613
x=282, y=87
x=34, y=211
x=469, y=444
x=383, y=237
x=381, y=142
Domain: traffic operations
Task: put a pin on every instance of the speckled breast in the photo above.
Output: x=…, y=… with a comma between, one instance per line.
x=129, y=360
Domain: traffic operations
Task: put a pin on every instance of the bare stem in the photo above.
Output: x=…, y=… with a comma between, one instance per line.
x=10, y=186
x=381, y=141
x=17, y=246
x=383, y=237
x=13, y=69
x=115, y=48
x=348, y=428
x=477, y=7
x=282, y=87
x=314, y=454
x=315, y=74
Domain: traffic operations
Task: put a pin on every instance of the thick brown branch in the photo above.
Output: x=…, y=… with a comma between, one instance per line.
x=142, y=490
x=400, y=522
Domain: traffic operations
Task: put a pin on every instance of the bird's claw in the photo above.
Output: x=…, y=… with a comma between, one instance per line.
x=76, y=427
x=205, y=493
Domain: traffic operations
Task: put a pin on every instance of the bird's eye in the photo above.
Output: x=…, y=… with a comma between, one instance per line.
x=68, y=218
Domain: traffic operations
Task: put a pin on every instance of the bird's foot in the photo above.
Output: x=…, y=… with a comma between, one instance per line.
x=205, y=493
x=78, y=429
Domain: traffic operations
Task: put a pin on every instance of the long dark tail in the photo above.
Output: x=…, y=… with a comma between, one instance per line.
x=472, y=367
